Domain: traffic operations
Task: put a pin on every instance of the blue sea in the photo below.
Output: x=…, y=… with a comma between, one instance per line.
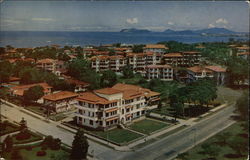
x=43, y=38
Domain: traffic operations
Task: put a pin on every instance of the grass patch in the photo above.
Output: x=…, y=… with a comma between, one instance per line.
x=117, y=135
x=31, y=154
x=147, y=126
x=6, y=127
x=235, y=129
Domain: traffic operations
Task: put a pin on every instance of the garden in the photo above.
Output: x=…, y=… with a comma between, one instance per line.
x=7, y=127
x=148, y=126
x=117, y=135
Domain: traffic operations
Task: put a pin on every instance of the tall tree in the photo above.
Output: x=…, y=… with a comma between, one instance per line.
x=242, y=106
x=33, y=93
x=127, y=72
x=5, y=71
x=108, y=78
x=79, y=146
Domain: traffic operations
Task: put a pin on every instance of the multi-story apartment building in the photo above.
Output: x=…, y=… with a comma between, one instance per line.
x=163, y=72
x=138, y=62
x=174, y=59
x=191, y=58
x=198, y=72
x=100, y=63
x=51, y=65
x=219, y=74
x=60, y=101
x=103, y=63
x=116, y=63
x=157, y=48
x=153, y=58
x=46, y=64
x=109, y=107
x=182, y=59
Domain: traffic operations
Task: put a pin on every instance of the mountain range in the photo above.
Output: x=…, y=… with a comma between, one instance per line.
x=208, y=31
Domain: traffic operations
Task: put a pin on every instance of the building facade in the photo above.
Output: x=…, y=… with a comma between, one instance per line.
x=109, y=107
x=60, y=101
x=163, y=72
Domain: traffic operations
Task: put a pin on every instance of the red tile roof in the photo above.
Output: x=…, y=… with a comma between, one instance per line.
x=216, y=68
x=190, y=52
x=108, y=91
x=93, y=98
x=60, y=96
x=173, y=55
x=198, y=69
x=158, y=46
x=19, y=90
x=46, y=60
x=243, y=53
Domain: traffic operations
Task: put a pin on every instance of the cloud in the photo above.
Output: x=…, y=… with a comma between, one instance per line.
x=222, y=21
x=188, y=23
x=170, y=23
x=211, y=25
x=42, y=19
x=132, y=20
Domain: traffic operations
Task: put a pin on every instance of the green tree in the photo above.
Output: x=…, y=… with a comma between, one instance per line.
x=108, y=78
x=242, y=106
x=78, y=68
x=127, y=72
x=79, y=146
x=5, y=71
x=33, y=93
x=30, y=75
x=138, y=48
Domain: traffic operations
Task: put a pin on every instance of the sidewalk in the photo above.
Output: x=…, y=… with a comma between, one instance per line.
x=129, y=147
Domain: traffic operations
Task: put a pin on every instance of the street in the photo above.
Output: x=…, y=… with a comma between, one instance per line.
x=165, y=148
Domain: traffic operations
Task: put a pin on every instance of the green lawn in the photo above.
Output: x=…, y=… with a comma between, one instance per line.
x=10, y=127
x=34, y=137
x=147, y=126
x=31, y=155
x=196, y=152
x=118, y=135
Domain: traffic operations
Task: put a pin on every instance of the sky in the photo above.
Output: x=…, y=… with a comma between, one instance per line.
x=114, y=16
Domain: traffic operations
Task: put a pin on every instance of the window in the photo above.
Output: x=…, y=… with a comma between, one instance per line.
x=90, y=122
x=80, y=111
x=80, y=118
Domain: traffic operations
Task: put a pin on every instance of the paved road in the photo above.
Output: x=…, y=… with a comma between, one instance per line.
x=170, y=146
x=163, y=149
x=57, y=132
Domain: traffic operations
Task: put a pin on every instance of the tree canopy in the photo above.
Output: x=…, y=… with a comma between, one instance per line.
x=33, y=93
x=79, y=146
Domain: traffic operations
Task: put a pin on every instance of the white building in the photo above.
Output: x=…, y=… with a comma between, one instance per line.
x=163, y=72
x=108, y=107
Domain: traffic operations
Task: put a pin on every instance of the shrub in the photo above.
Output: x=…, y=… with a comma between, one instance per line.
x=44, y=147
x=15, y=155
x=29, y=148
x=23, y=135
x=41, y=153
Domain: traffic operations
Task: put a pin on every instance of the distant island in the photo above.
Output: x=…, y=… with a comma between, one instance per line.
x=203, y=32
